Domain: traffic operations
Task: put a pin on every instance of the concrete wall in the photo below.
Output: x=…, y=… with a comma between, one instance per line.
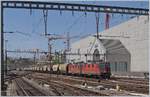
x=117, y=54
x=134, y=36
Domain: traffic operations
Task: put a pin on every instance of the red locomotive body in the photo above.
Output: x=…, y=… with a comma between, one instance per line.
x=90, y=69
x=73, y=69
x=101, y=69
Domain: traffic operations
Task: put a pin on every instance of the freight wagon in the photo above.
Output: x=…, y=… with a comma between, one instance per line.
x=63, y=69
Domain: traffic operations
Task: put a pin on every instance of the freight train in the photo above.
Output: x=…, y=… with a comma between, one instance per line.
x=101, y=69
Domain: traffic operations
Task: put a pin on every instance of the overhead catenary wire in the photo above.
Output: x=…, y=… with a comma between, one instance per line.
x=68, y=37
x=74, y=23
x=37, y=25
x=26, y=34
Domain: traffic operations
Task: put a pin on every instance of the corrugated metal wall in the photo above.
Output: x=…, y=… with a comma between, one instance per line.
x=119, y=66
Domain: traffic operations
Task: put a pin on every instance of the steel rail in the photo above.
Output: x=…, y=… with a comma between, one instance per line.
x=22, y=89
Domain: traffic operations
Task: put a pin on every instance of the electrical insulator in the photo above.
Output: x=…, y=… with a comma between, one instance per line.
x=72, y=13
x=85, y=14
x=60, y=12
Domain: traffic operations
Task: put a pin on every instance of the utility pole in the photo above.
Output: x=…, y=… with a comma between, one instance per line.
x=107, y=17
x=37, y=54
x=2, y=51
x=34, y=58
x=45, y=14
x=6, y=57
x=68, y=41
x=49, y=50
x=49, y=55
x=97, y=24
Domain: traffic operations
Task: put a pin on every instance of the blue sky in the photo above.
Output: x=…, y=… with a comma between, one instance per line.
x=32, y=24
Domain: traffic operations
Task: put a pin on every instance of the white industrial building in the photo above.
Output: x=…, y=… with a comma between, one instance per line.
x=125, y=46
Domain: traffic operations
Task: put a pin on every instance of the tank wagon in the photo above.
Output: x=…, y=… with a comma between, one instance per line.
x=48, y=68
x=63, y=69
x=55, y=68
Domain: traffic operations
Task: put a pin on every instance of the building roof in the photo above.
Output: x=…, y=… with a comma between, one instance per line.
x=113, y=46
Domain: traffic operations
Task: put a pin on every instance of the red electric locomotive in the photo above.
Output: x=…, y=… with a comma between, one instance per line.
x=101, y=69
x=74, y=69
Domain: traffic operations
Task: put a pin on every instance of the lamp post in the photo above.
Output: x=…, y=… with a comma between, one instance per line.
x=2, y=52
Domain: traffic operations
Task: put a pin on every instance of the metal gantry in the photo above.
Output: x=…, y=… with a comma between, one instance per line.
x=61, y=7
x=73, y=7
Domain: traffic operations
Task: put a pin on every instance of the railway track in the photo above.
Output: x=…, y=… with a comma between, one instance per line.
x=63, y=89
x=11, y=76
x=134, y=87
x=26, y=89
x=140, y=82
x=131, y=80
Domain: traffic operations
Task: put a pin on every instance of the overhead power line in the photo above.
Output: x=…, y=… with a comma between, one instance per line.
x=23, y=33
x=74, y=23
